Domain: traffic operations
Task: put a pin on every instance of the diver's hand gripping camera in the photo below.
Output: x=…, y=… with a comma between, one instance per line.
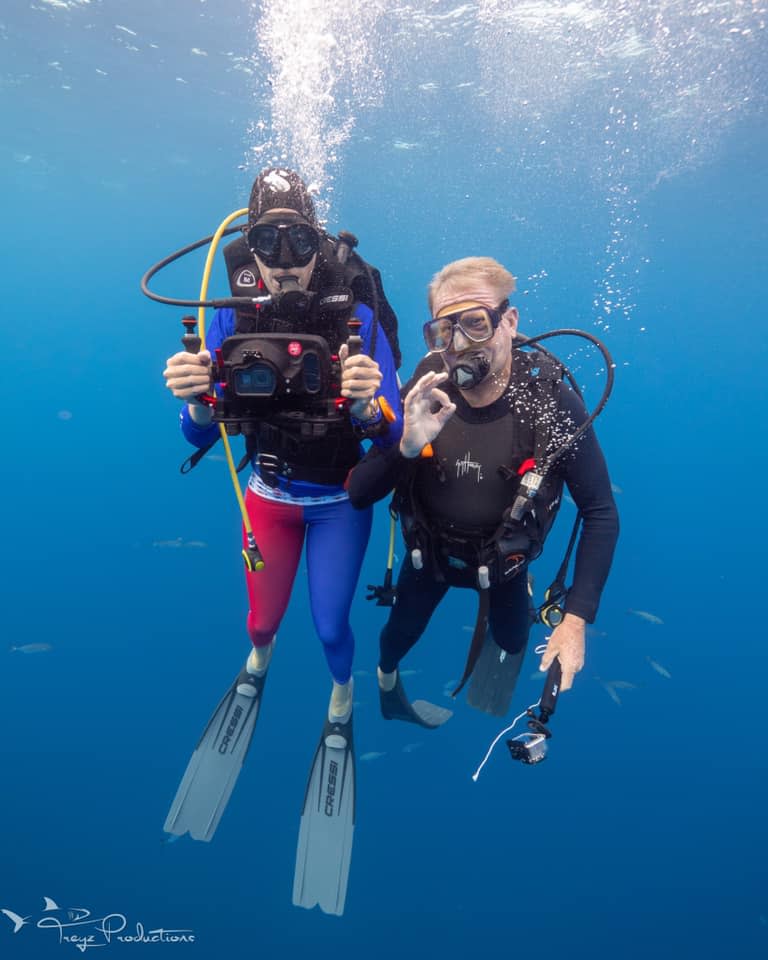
x=532, y=747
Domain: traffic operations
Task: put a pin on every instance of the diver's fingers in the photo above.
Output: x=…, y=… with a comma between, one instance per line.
x=354, y=374
x=360, y=387
x=189, y=390
x=183, y=358
x=419, y=397
x=424, y=384
x=187, y=371
x=445, y=413
x=570, y=664
x=188, y=382
x=442, y=398
x=358, y=359
x=343, y=353
x=185, y=366
x=547, y=657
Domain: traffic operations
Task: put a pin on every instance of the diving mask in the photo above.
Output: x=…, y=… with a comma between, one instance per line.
x=283, y=244
x=477, y=323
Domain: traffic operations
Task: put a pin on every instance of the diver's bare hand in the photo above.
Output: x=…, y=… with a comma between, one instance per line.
x=187, y=375
x=360, y=379
x=421, y=425
x=568, y=643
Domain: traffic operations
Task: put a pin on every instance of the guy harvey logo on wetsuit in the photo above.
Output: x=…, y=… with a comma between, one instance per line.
x=330, y=794
x=229, y=732
x=246, y=278
x=466, y=467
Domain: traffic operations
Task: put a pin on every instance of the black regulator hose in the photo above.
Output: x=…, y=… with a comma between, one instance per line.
x=522, y=341
x=171, y=258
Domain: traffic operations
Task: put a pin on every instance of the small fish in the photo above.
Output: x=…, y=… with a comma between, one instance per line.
x=196, y=543
x=662, y=671
x=409, y=673
x=169, y=838
x=31, y=648
x=373, y=755
x=644, y=615
x=164, y=544
x=17, y=921
x=591, y=632
x=363, y=673
x=467, y=629
x=410, y=747
x=611, y=692
x=616, y=488
x=611, y=686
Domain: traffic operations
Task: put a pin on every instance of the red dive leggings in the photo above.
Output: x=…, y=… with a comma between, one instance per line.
x=336, y=536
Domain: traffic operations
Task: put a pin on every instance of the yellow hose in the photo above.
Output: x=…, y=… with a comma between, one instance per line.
x=209, y=266
x=201, y=330
x=391, y=550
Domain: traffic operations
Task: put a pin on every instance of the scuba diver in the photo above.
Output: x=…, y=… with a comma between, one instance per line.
x=311, y=292
x=491, y=433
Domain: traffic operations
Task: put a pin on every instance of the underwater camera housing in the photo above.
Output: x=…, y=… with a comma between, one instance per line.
x=258, y=375
x=528, y=747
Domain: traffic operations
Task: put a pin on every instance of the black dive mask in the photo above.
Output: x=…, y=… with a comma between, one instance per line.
x=470, y=371
x=283, y=244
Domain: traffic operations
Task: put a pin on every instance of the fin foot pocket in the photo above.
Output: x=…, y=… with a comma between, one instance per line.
x=396, y=706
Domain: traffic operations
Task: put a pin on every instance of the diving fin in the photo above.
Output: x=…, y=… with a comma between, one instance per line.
x=494, y=678
x=215, y=765
x=395, y=706
x=327, y=826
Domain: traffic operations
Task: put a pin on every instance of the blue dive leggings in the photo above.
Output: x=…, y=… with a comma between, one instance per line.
x=336, y=536
x=419, y=593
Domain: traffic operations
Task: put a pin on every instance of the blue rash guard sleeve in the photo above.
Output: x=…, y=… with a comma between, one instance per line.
x=223, y=326
x=389, y=388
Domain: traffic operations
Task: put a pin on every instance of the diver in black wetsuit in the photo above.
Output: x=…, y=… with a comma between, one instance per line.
x=478, y=416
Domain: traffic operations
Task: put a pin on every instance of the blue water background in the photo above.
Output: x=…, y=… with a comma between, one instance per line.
x=644, y=832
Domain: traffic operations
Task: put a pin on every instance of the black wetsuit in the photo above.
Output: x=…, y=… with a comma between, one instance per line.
x=462, y=488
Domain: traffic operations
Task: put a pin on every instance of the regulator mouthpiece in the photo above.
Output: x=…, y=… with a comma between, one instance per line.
x=470, y=372
x=292, y=300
